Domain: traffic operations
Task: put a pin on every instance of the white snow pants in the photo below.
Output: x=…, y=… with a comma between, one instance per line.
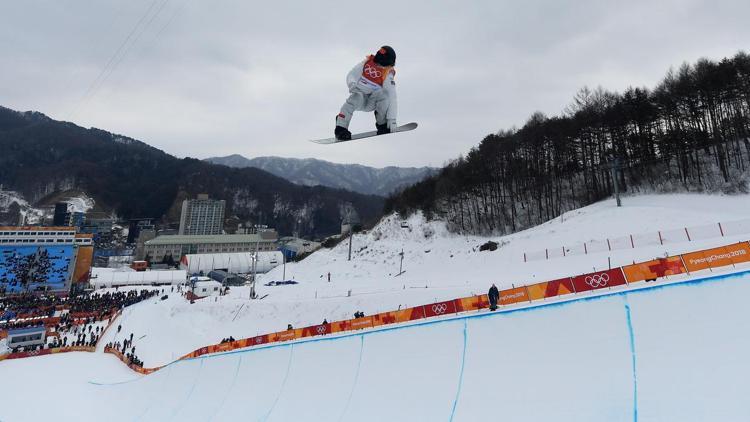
x=378, y=101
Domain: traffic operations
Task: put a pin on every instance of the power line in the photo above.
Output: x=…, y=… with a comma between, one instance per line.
x=132, y=38
x=149, y=45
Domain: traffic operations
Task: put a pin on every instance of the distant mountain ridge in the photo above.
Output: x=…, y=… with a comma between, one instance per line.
x=314, y=172
x=40, y=158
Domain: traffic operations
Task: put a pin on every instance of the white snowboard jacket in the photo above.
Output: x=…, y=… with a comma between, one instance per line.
x=358, y=83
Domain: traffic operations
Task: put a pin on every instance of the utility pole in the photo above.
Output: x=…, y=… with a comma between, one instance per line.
x=283, y=256
x=401, y=264
x=255, y=260
x=351, y=232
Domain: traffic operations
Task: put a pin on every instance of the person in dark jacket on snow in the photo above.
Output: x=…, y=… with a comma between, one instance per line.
x=494, y=295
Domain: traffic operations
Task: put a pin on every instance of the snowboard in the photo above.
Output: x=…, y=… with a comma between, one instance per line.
x=355, y=136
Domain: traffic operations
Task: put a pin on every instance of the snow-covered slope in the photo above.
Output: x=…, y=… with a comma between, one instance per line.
x=438, y=265
x=659, y=353
x=15, y=210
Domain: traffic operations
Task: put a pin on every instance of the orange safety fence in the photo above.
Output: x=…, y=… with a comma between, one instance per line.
x=651, y=270
x=409, y=314
x=383, y=318
x=341, y=326
x=472, y=303
x=134, y=367
x=552, y=288
x=286, y=335
x=717, y=257
x=516, y=295
x=360, y=323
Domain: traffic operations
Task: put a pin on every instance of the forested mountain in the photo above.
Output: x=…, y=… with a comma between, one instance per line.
x=689, y=133
x=312, y=172
x=40, y=157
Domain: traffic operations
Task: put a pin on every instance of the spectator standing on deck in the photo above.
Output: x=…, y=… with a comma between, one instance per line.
x=494, y=295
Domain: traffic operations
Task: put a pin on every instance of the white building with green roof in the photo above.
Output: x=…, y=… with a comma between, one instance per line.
x=179, y=245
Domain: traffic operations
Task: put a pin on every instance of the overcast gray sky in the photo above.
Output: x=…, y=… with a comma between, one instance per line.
x=207, y=78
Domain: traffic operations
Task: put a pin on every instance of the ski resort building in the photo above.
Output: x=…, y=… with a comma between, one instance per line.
x=202, y=216
x=35, y=235
x=203, y=287
x=178, y=246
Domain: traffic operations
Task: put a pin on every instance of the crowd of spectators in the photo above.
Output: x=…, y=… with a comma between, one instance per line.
x=29, y=306
x=103, y=302
x=37, y=266
x=85, y=333
x=82, y=318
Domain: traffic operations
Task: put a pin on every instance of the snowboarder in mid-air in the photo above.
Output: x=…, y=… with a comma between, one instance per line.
x=371, y=88
x=493, y=295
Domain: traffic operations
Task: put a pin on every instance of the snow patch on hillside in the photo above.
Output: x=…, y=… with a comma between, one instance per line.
x=82, y=203
x=29, y=215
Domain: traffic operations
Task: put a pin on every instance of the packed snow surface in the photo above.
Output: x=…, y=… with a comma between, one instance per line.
x=661, y=353
x=667, y=353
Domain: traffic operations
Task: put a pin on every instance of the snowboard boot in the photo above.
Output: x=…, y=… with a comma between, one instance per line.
x=342, y=133
x=382, y=129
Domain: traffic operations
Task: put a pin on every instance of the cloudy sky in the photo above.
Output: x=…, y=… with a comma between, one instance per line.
x=208, y=78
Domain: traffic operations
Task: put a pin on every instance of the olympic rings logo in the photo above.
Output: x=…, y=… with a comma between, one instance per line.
x=321, y=329
x=372, y=72
x=439, y=308
x=597, y=280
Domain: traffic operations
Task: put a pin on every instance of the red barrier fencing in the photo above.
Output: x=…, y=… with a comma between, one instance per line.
x=599, y=280
x=316, y=330
x=439, y=308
